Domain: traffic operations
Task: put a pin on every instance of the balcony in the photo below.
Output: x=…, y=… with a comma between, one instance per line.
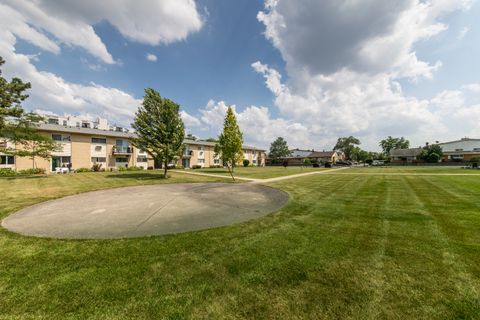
x=187, y=154
x=116, y=150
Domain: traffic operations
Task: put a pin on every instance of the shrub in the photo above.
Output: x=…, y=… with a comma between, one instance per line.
x=122, y=168
x=80, y=170
x=150, y=168
x=246, y=162
x=5, y=172
x=475, y=160
x=32, y=171
x=97, y=167
x=197, y=166
x=369, y=161
x=134, y=168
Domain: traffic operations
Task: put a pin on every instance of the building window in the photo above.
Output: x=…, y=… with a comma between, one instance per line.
x=52, y=121
x=121, y=160
x=216, y=161
x=99, y=159
x=7, y=160
x=200, y=148
x=85, y=125
x=98, y=148
x=65, y=138
x=57, y=137
x=201, y=161
x=458, y=149
x=142, y=159
x=65, y=123
x=99, y=140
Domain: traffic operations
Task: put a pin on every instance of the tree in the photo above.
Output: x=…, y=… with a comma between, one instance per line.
x=159, y=127
x=18, y=126
x=391, y=143
x=11, y=96
x=37, y=146
x=191, y=137
x=279, y=149
x=347, y=145
x=229, y=146
x=431, y=153
x=358, y=154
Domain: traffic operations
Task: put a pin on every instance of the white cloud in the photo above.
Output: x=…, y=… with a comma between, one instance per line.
x=344, y=60
x=151, y=57
x=463, y=32
x=475, y=87
x=255, y=122
x=71, y=22
x=189, y=120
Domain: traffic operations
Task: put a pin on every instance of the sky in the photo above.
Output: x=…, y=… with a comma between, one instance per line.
x=307, y=70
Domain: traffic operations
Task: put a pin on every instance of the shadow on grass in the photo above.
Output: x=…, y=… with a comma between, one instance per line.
x=24, y=177
x=137, y=175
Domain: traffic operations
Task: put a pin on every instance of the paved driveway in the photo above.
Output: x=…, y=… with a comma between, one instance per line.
x=146, y=210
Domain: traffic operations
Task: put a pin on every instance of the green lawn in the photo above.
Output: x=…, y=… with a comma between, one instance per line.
x=346, y=246
x=260, y=172
x=414, y=169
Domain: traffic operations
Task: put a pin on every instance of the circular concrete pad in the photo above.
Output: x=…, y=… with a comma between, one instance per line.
x=146, y=210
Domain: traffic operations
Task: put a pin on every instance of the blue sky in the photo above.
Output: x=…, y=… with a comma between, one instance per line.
x=310, y=71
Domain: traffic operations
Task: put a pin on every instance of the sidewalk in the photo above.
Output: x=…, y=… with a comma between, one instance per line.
x=252, y=180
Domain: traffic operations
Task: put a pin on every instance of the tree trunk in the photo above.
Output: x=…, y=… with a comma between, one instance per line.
x=231, y=172
x=33, y=161
x=165, y=169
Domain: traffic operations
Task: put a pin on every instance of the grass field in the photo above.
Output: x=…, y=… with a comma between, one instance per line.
x=415, y=169
x=344, y=247
x=260, y=172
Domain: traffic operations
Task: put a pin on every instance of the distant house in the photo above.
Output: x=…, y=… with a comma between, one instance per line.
x=298, y=156
x=460, y=150
x=405, y=155
x=325, y=156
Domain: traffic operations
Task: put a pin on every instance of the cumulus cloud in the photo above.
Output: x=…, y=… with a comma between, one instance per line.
x=344, y=60
x=71, y=22
x=256, y=123
x=50, y=24
x=151, y=57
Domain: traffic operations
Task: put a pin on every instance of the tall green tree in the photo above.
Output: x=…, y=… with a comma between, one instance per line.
x=12, y=94
x=159, y=127
x=347, y=145
x=391, y=143
x=279, y=149
x=229, y=145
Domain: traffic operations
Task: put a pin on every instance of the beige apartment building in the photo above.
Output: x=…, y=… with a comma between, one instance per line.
x=84, y=145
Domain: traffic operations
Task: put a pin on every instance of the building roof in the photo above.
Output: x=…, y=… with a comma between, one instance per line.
x=91, y=131
x=321, y=154
x=117, y=134
x=298, y=153
x=412, y=152
x=456, y=141
x=212, y=144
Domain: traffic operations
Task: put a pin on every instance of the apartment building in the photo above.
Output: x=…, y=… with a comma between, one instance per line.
x=86, y=143
x=201, y=153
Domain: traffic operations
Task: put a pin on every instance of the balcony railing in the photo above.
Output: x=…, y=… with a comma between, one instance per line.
x=122, y=150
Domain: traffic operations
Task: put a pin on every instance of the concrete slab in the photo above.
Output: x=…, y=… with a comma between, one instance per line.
x=146, y=210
